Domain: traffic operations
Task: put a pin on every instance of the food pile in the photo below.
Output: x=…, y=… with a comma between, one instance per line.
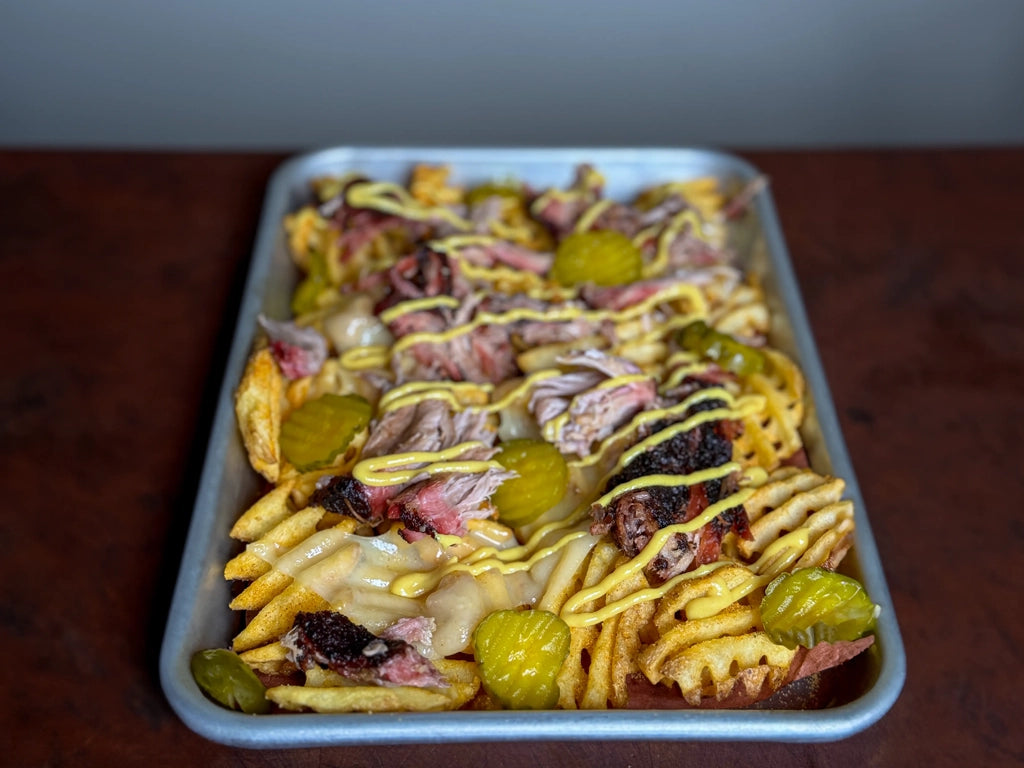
x=528, y=448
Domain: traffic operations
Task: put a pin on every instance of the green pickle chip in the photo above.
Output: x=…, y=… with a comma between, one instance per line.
x=317, y=431
x=730, y=354
x=229, y=681
x=602, y=257
x=519, y=655
x=815, y=605
x=543, y=477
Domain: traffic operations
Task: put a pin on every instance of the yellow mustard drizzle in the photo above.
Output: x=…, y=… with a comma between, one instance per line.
x=417, y=584
x=553, y=427
x=783, y=552
x=384, y=470
x=454, y=242
x=591, y=215
x=650, y=551
x=780, y=554
x=415, y=392
x=680, y=372
x=669, y=481
x=390, y=314
x=523, y=281
x=669, y=234
x=745, y=405
x=647, y=417
x=413, y=387
x=519, y=390
x=559, y=314
x=395, y=199
x=588, y=618
x=365, y=358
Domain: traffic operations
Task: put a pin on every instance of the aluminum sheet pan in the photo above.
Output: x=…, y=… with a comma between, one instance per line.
x=199, y=617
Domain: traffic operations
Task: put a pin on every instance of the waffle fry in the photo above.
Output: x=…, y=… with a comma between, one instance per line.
x=807, y=503
x=716, y=668
x=771, y=437
x=326, y=691
x=572, y=680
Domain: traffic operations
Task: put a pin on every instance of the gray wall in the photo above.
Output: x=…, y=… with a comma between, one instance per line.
x=260, y=74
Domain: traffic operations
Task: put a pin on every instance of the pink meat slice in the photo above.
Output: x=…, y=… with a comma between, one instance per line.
x=594, y=412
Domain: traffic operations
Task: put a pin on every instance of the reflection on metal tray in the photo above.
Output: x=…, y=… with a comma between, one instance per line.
x=199, y=617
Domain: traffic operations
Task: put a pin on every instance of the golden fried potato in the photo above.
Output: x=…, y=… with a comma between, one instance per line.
x=278, y=616
x=258, y=410
x=716, y=667
x=371, y=698
x=269, y=510
x=248, y=565
x=802, y=501
x=327, y=691
x=772, y=436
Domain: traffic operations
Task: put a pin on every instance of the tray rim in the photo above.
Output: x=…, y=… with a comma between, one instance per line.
x=315, y=729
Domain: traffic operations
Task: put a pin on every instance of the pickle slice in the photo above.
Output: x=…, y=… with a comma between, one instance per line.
x=814, y=605
x=541, y=483
x=308, y=291
x=229, y=681
x=316, y=432
x=508, y=191
x=730, y=354
x=602, y=257
x=519, y=655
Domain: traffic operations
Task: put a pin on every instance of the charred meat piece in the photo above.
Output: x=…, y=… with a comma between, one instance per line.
x=634, y=517
x=444, y=504
x=703, y=447
x=344, y=495
x=330, y=640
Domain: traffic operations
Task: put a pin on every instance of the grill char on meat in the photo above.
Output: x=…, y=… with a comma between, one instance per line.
x=345, y=495
x=633, y=518
x=330, y=640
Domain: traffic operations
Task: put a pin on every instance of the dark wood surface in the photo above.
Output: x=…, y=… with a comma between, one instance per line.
x=119, y=279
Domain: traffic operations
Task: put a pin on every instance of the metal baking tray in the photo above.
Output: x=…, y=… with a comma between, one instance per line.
x=199, y=616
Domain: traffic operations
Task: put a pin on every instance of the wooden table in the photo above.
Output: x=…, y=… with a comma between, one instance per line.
x=119, y=278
